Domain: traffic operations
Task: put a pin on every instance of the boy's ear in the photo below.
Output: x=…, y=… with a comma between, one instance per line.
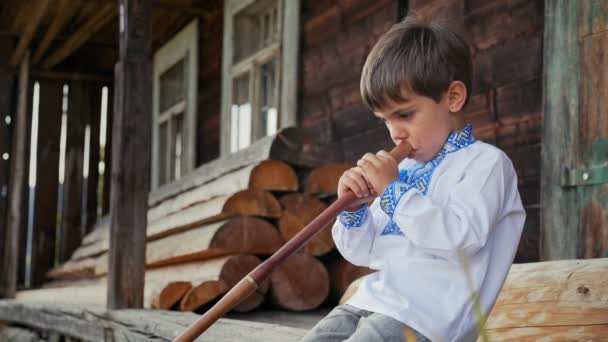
x=456, y=95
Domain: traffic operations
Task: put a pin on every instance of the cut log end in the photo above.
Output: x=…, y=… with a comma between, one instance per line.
x=273, y=175
x=228, y=272
x=253, y=202
x=300, y=283
x=171, y=294
x=324, y=179
x=299, y=210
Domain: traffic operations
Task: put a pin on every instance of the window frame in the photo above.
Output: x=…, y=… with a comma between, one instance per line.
x=286, y=67
x=183, y=44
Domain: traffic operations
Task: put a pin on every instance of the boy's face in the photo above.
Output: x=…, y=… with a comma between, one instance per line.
x=420, y=121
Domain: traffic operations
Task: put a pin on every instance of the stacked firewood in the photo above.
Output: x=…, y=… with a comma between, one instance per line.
x=202, y=241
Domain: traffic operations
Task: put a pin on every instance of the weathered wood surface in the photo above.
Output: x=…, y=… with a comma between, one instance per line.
x=75, y=269
x=298, y=211
x=131, y=153
x=575, y=218
x=570, y=295
x=94, y=323
x=8, y=333
x=554, y=300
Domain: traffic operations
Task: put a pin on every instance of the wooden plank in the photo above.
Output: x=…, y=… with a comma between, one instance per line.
x=47, y=180
x=94, y=323
x=106, y=13
x=35, y=13
x=64, y=11
x=576, y=130
x=130, y=157
x=18, y=334
x=16, y=222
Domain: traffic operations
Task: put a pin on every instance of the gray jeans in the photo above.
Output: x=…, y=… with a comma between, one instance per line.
x=348, y=323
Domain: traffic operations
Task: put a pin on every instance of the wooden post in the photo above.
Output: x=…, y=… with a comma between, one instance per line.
x=6, y=93
x=90, y=210
x=71, y=233
x=130, y=157
x=15, y=222
x=47, y=180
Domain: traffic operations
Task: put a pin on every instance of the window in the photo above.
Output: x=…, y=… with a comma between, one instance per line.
x=259, y=70
x=175, y=88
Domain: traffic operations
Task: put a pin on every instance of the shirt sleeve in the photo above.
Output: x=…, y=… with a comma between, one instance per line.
x=353, y=234
x=462, y=224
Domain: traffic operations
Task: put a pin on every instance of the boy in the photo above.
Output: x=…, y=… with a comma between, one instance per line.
x=448, y=219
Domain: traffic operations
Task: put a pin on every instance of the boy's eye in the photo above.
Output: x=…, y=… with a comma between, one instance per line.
x=405, y=115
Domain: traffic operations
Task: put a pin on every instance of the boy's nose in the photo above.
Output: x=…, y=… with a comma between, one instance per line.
x=398, y=134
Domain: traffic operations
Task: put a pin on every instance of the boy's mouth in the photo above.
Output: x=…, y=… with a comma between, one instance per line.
x=412, y=154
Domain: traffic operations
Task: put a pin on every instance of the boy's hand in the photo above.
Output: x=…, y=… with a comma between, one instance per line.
x=379, y=170
x=354, y=180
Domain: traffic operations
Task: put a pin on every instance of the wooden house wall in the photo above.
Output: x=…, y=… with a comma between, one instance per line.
x=336, y=36
x=505, y=107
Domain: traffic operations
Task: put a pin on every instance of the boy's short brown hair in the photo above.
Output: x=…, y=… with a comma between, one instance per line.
x=418, y=56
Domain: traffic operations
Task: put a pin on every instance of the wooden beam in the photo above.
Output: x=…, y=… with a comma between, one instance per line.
x=71, y=76
x=65, y=11
x=36, y=14
x=15, y=222
x=105, y=14
x=131, y=157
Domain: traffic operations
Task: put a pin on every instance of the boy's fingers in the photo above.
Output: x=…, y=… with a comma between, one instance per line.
x=385, y=155
x=361, y=172
x=372, y=158
x=368, y=165
x=357, y=184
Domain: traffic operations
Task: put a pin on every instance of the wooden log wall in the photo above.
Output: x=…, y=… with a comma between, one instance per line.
x=505, y=107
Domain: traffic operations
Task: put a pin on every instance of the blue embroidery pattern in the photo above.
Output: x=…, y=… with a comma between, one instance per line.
x=351, y=219
x=419, y=177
